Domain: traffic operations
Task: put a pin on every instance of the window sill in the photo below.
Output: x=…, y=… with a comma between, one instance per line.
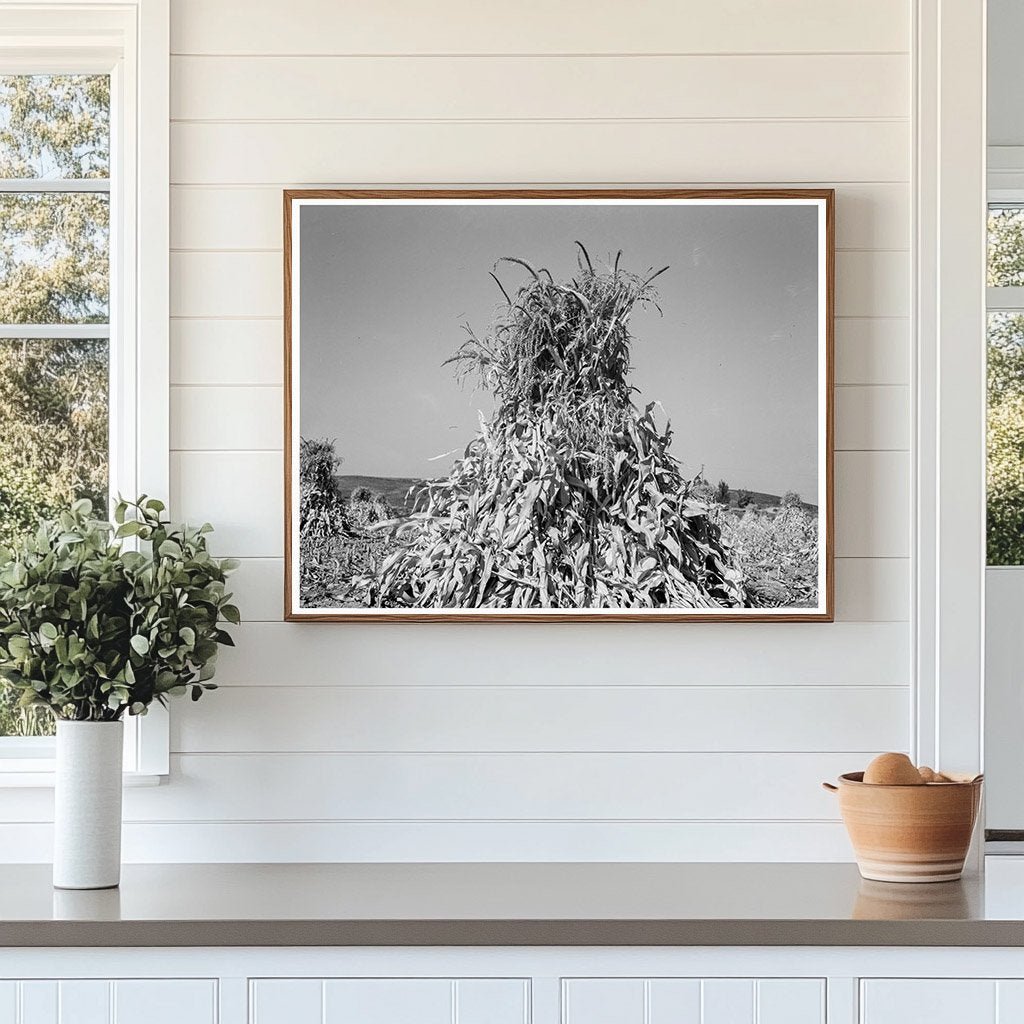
x=37, y=773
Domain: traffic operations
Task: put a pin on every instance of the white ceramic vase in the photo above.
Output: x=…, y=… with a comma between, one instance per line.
x=87, y=811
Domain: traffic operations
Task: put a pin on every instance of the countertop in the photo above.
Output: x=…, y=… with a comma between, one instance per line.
x=559, y=904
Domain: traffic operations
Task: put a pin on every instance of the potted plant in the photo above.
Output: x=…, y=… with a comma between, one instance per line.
x=99, y=620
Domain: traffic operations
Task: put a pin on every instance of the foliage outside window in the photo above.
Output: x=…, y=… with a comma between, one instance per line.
x=54, y=308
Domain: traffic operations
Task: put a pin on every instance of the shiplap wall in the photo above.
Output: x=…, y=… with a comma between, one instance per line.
x=691, y=741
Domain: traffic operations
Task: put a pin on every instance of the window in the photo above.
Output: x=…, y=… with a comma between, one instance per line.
x=54, y=309
x=84, y=125
x=1005, y=486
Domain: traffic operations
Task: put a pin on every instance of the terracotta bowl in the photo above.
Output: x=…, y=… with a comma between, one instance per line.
x=909, y=833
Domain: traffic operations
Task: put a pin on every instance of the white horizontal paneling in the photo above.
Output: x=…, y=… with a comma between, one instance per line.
x=454, y=786
x=258, y=586
x=875, y=418
x=545, y=718
x=872, y=589
x=867, y=589
x=872, y=216
x=872, y=501
x=463, y=842
x=245, y=284
x=579, y=26
x=738, y=92
x=241, y=493
x=227, y=352
x=872, y=350
x=526, y=88
x=577, y=151
x=234, y=418
x=873, y=283
x=477, y=654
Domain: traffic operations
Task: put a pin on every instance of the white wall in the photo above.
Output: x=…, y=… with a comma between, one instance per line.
x=691, y=741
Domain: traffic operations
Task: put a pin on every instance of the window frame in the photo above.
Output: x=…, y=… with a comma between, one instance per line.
x=130, y=41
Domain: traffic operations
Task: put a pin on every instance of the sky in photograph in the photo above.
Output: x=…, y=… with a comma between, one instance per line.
x=385, y=290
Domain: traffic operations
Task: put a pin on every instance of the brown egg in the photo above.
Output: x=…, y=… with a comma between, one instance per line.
x=928, y=774
x=892, y=770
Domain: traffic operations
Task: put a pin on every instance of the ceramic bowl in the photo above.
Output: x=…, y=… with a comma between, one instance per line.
x=909, y=833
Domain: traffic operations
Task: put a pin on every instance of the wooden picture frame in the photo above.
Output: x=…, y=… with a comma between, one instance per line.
x=555, y=203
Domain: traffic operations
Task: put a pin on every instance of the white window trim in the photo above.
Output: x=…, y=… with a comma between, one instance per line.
x=131, y=41
x=949, y=446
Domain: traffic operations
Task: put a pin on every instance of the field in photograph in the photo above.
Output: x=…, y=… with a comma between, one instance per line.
x=773, y=538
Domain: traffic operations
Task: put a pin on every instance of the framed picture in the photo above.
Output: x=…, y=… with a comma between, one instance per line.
x=558, y=405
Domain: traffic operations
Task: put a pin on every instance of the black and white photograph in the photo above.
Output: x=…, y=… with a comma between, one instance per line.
x=566, y=406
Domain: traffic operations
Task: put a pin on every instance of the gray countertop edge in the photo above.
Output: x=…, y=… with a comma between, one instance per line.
x=479, y=932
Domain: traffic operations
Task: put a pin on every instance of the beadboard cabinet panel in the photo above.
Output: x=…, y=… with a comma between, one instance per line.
x=389, y=1001
x=929, y=1001
x=102, y=1001
x=693, y=1001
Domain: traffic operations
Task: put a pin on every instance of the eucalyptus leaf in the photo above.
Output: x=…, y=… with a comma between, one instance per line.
x=93, y=631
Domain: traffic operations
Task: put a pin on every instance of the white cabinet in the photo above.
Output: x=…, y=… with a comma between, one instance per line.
x=942, y=1001
x=102, y=1001
x=693, y=1001
x=388, y=1001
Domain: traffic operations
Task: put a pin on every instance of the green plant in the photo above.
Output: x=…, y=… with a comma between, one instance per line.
x=744, y=498
x=792, y=500
x=722, y=493
x=91, y=630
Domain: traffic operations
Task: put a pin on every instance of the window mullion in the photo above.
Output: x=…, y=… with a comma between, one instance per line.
x=1005, y=300
x=61, y=332
x=54, y=185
